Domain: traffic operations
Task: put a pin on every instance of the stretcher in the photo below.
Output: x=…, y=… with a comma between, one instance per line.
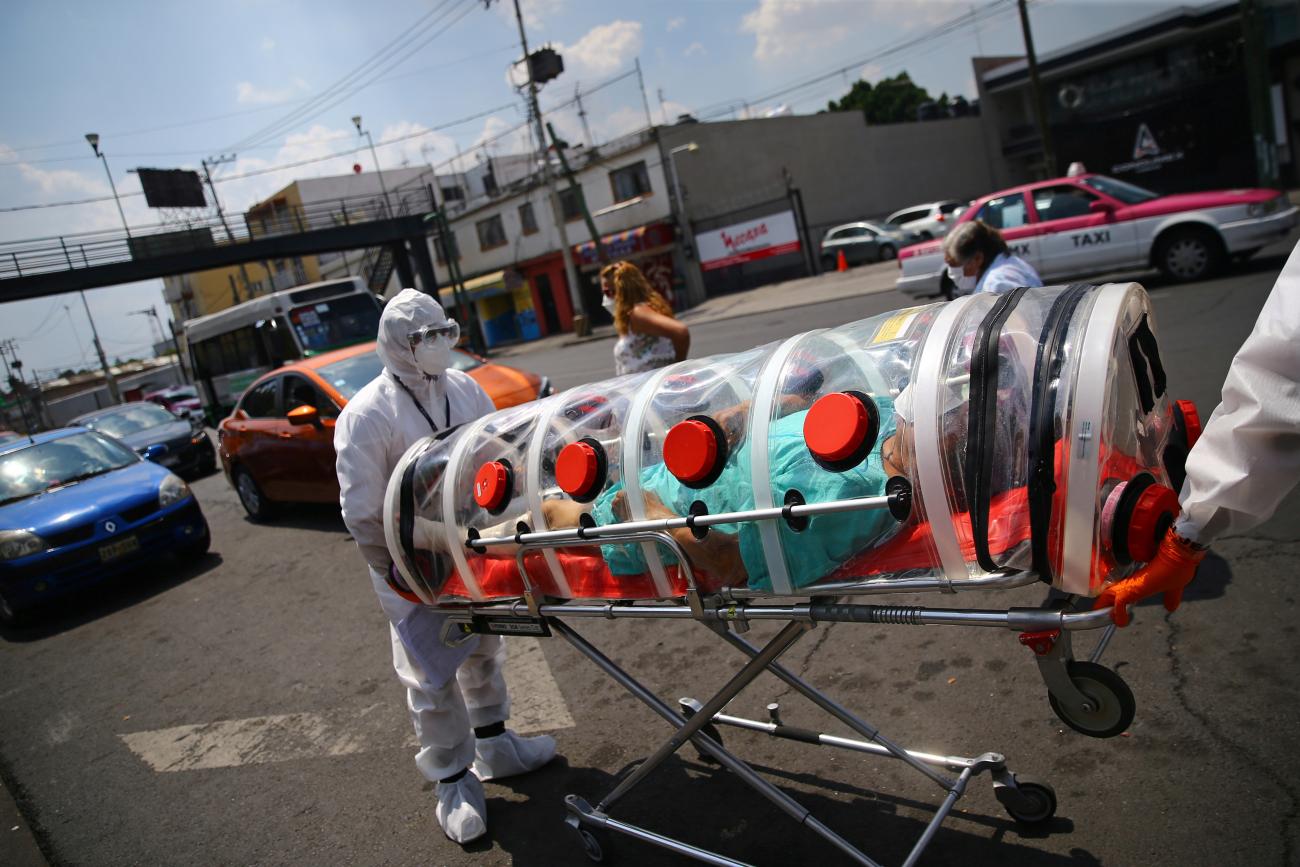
x=981, y=445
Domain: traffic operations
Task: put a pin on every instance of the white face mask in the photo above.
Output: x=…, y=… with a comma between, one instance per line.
x=433, y=356
x=964, y=282
x=607, y=302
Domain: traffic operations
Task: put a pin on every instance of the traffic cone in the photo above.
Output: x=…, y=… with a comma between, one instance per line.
x=841, y=263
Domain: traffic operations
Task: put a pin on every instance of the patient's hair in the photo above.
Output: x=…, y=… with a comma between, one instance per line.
x=977, y=236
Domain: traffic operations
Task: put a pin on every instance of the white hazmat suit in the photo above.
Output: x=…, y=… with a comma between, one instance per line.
x=1248, y=457
x=450, y=691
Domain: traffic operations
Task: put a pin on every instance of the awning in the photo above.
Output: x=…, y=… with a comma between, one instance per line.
x=483, y=286
x=621, y=245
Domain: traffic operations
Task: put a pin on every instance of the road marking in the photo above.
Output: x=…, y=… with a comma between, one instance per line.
x=537, y=705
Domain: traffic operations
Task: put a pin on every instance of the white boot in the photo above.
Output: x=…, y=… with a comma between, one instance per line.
x=462, y=809
x=508, y=754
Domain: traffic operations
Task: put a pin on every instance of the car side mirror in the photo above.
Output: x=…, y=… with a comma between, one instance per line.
x=1098, y=206
x=154, y=452
x=305, y=414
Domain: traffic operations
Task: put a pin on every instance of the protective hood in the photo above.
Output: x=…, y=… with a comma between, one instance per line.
x=408, y=310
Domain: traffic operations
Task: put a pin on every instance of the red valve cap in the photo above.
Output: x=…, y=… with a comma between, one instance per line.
x=837, y=426
x=1191, y=420
x=1154, y=511
x=492, y=485
x=691, y=451
x=577, y=469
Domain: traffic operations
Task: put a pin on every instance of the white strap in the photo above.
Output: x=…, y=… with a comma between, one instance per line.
x=533, y=486
x=455, y=542
x=760, y=422
x=930, y=383
x=392, y=502
x=633, y=435
x=1082, y=472
x=876, y=383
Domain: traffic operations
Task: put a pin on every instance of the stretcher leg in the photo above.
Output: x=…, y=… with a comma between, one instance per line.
x=688, y=730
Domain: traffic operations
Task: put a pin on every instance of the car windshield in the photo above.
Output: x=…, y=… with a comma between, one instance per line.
x=9, y=436
x=337, y=322
x=131, y=419
x=351, y=374
x=1129, y=194
x=32, y=470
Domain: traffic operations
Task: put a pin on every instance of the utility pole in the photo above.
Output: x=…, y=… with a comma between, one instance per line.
x=154, y=323
x=208, y=165
x=582, y=115
x=8, y=346
x=1040, y=107
x=645, y=102
x=570, y=271
x=99, y=349
x=356, y=121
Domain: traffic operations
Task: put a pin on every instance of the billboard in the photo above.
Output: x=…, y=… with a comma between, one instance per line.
x=748, y=241
x=172, y=188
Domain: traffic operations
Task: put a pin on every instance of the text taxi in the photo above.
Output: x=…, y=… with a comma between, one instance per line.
x=1091, y=224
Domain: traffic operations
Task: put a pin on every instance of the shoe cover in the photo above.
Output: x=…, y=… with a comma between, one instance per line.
x=508, y=754
x=462, y=809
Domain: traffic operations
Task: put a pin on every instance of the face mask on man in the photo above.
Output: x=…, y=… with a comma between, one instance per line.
x=963, y=282
x=432, y=345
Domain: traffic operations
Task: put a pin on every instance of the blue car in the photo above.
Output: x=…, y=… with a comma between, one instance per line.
x=178, y=444
x=77, y=507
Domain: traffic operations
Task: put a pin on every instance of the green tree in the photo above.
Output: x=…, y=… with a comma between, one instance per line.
x=890, y=100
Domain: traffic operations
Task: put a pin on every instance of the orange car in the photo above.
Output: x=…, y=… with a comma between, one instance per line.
x=274, y=450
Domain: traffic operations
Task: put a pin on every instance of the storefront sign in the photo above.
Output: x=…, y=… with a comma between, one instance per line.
x=1147, y=154
x=625, y=245
x=749, y=241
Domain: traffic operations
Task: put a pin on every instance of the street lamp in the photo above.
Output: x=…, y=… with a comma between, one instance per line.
x=356, y=121
x=682, y=220
x=93, y=138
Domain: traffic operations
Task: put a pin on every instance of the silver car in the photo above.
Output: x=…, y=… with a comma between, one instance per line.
x=863, y=242
x=928, y=221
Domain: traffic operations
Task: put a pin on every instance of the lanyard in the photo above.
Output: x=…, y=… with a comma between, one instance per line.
x=446, y=411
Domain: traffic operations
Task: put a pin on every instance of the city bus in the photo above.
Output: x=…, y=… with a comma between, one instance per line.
x=232, y=347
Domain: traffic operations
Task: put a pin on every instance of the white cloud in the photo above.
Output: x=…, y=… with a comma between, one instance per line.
x=536, y=12
x=248, y=93
x=606, y=47
x=872, y=72
x=784, y=28
x=267, y=44
x=669, y=111
x=695, y=49
x=675, y=24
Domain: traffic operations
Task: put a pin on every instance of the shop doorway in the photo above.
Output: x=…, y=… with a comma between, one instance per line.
x=550, y=316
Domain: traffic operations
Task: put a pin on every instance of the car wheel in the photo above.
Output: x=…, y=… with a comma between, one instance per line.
x=886, y=252
x=255, y=503
x=1189, y=254
x=926, y=236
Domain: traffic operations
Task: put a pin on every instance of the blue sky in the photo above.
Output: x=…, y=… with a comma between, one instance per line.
x=167, y=83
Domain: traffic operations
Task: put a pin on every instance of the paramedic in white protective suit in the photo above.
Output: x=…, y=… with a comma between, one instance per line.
x=1247, y=459
x=456, y=696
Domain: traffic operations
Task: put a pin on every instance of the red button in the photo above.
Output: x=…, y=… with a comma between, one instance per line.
x=691, y=451
x=1155, y=509
x=577, y=468
x=1191, y=420
x=836, y=426
x=492, y=485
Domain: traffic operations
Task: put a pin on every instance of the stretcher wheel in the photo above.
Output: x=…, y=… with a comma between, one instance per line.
x=591, y=845
x=1112, y=702
x=1029, y=802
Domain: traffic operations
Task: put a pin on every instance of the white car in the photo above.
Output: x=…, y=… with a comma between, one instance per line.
x=928, y=221
x=1092, y=224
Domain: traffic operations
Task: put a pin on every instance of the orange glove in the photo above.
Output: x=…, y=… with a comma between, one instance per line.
x=1171, y=570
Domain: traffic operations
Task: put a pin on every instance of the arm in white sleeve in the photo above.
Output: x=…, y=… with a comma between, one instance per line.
x=1248, y=457
x=363, y=479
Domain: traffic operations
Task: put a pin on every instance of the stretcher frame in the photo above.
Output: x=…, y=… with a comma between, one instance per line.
x=729, y=612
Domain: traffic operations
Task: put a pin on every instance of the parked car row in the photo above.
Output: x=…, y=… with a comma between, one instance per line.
x=1091, y=224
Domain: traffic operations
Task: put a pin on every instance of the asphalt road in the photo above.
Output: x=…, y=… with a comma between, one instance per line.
x=242, y=710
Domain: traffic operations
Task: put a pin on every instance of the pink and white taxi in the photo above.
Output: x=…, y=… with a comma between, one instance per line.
x=1091, y=224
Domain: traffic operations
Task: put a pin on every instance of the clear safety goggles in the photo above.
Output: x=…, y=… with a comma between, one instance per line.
x=449, y=330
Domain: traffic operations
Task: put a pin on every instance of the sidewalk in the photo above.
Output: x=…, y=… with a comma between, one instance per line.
x=831, y=286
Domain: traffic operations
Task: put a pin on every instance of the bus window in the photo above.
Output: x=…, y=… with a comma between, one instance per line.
x=338, y=322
